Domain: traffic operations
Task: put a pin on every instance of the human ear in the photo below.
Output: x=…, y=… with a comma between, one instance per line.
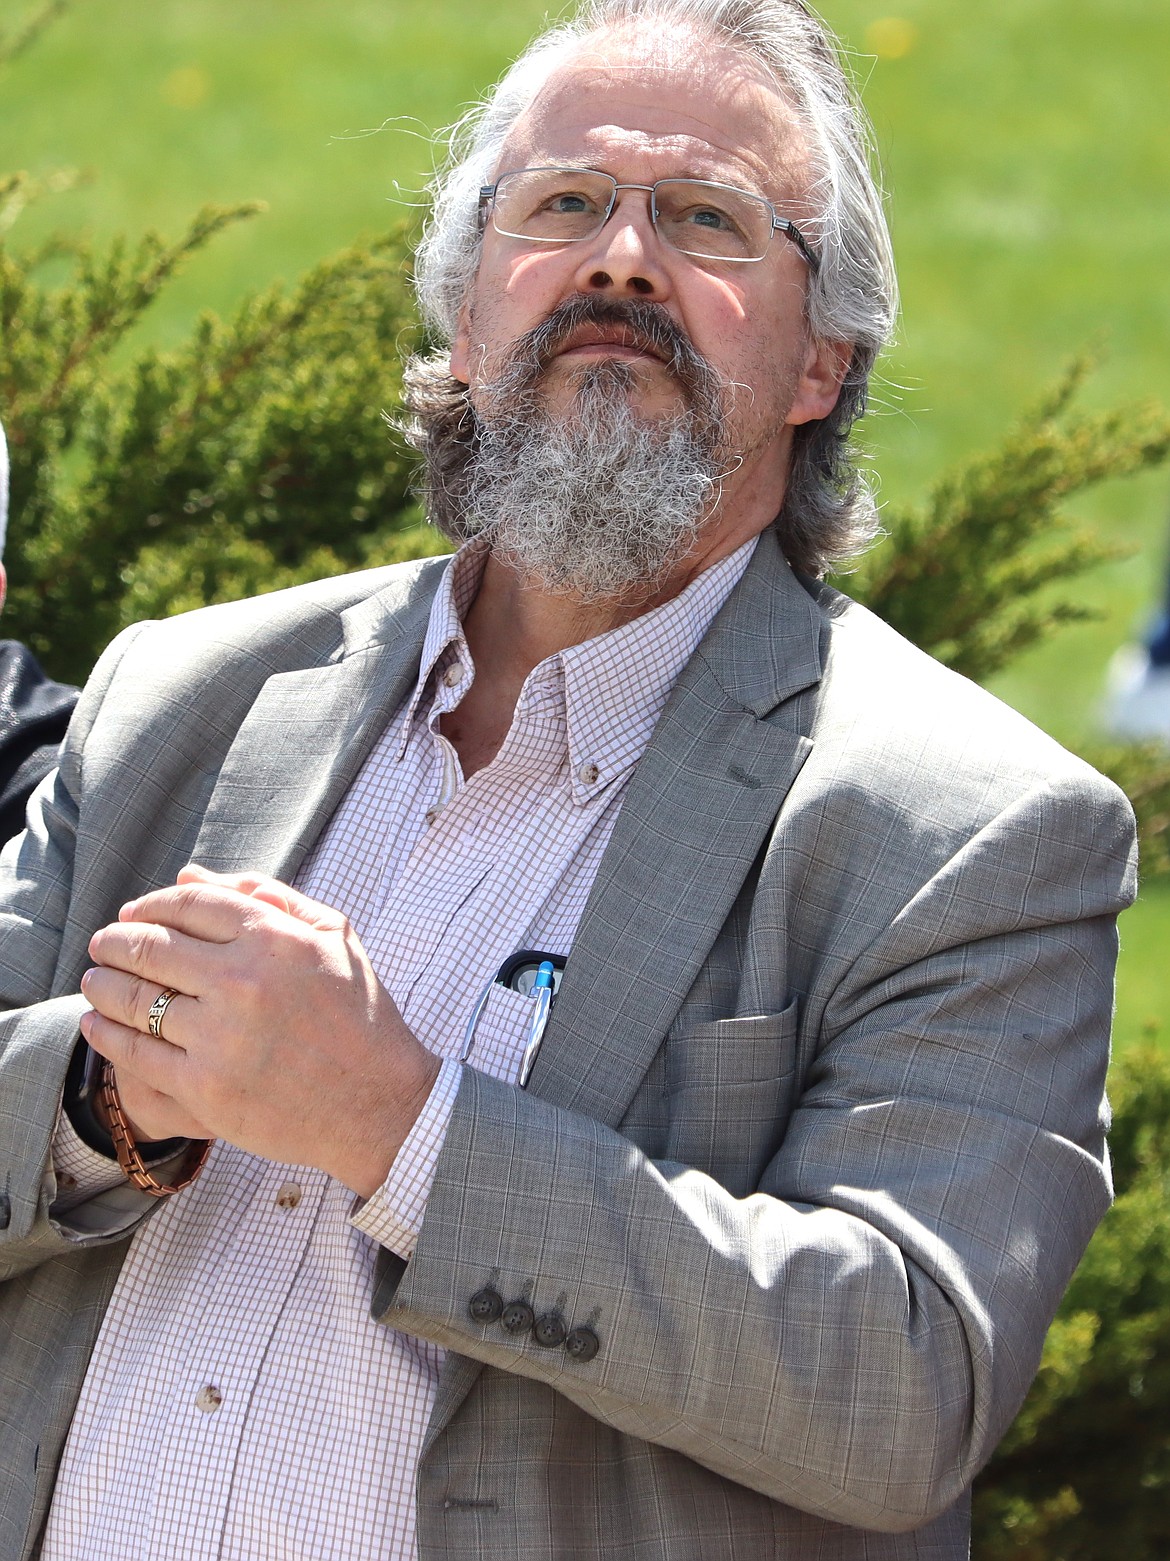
x=461, y=347
x=825, y=367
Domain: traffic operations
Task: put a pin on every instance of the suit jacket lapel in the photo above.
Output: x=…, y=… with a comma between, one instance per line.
x=309, y=732
x=699, y=806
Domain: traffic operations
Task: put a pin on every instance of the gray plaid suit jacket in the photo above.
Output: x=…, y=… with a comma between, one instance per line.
x=815, y=1138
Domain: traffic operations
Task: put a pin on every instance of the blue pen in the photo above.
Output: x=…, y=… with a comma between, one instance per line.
x=542, y=993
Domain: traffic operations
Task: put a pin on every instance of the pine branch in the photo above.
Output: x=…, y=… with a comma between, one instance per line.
x=115, y=292
x=20, y=190
x=14, y=44
x=968, y=576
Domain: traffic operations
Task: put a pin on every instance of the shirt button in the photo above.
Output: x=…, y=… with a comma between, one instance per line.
x=208, y=1399
x=289, y=1196
x=432, y=815
x=587, y=774
x=453, y=674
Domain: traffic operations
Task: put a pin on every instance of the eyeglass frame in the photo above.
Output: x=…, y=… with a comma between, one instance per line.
x=785, y=225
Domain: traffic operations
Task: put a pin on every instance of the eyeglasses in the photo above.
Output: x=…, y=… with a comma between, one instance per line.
x=570, y=205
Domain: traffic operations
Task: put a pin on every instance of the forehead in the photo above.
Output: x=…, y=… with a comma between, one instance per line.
x=647, y=107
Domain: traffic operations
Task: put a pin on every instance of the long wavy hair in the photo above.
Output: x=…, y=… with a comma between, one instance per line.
x=828, y=515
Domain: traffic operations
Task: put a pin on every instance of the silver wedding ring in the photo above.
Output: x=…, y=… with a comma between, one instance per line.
x=158, y=1008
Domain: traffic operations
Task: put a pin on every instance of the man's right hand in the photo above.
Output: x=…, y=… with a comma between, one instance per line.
x=151, y=1116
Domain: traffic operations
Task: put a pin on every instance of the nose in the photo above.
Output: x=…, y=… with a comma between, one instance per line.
x=626, y=257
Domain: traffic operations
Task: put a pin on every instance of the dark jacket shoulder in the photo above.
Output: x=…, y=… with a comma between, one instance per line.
x=34, y=712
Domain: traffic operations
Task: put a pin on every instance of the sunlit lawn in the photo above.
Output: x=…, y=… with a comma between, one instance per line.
x=1028, y=157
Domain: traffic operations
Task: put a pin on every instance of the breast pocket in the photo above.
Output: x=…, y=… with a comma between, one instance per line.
x=729, y=1087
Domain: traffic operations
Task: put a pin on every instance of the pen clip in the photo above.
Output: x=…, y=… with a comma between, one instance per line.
x=542, y=993
x=469, y=1033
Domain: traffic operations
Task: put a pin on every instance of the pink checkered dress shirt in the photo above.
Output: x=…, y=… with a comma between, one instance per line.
x=241, y=1403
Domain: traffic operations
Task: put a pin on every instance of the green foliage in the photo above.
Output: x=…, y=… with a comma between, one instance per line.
x=1084, y=1473
x=254, y=456
x=969, y=577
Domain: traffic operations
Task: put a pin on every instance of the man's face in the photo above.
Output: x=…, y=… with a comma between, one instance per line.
x=646, y=109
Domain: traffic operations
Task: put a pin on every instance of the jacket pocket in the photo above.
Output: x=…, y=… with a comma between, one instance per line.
x=728, y=1095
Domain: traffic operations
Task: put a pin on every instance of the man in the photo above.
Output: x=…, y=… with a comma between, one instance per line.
x=748, y=1248
x=34, y=711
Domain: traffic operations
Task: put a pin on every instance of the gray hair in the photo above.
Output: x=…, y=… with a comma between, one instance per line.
x=828, y=515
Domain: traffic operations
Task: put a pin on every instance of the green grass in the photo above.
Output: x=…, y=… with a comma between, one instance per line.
x=1027, y=156
x=185, y=101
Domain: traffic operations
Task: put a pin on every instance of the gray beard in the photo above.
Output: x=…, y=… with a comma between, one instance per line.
x=602, y=504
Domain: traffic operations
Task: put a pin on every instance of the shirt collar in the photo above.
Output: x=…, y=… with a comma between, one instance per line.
x=614, y=685
x=444, y=646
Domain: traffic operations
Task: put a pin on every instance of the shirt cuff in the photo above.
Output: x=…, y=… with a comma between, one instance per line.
x=393, y=1215
x=81, y=1172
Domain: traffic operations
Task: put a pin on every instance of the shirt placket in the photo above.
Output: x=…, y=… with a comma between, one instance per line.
x=494, y=877
x=205, y=1382
x=217, y=1382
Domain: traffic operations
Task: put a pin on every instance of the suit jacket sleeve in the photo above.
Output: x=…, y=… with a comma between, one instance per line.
x=854, y=1336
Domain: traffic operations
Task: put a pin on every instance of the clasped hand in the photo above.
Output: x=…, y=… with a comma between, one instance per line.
x=282, y=1040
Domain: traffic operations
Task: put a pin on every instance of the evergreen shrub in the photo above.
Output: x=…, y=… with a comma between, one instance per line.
x=251, y=457
x=1084, y=1473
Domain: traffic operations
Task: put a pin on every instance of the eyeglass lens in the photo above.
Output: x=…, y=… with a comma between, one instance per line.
x=565, y=205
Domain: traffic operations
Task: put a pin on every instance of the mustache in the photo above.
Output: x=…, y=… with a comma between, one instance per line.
x=514, y=392
x=646, y=327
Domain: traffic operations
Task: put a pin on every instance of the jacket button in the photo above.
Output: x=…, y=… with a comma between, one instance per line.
x=517, y=1317
x=582, y=1344
x=485, y=1305
x=549, y=1330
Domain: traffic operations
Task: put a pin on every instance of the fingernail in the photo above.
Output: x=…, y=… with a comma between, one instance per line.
x=85, y=976
x=85, y=1023
x=128, y=909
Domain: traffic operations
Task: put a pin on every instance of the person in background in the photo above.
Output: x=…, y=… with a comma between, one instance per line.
x=34, y=711
x=1137, y=701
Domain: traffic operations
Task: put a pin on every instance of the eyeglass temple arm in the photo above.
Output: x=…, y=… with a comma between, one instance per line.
x=790, y=230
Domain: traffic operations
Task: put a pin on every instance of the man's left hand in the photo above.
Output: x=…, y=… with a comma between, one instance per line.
x=281, y=1040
